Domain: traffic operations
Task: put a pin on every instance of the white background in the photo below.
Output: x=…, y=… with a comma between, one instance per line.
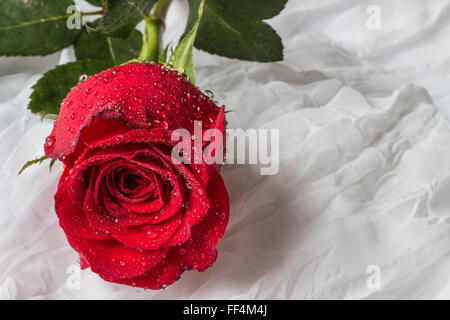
x=364, y=174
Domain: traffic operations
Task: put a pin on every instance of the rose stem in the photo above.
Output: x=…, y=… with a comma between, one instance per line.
x=154, y=28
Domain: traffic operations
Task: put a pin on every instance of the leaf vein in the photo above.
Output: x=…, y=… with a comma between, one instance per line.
x=32, y=22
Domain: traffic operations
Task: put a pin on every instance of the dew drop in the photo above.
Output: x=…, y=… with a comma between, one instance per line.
x=152, y=235
x=115, y=73
x=50, y=140
x=157, y=85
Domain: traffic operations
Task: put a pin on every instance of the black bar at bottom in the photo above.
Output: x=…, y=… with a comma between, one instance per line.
x=222, y=309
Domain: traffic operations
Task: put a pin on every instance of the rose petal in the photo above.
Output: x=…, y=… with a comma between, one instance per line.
x=175, y=197
x=99, y=218
x=200, y=251
x=201, y=173
x=160, y=276
x=150, y=237
x=142, y=95
x=112, y=260
x=71, y=215
x=198, y=201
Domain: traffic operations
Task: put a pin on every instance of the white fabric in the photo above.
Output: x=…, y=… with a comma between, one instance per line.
x=364, y=165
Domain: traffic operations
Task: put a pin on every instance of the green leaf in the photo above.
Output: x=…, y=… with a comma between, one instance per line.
x=34, y=27
x=181, y=58
x=54, y=85
x=122, y=16
x=97, y=46
x=234, y=29
x=31, y=162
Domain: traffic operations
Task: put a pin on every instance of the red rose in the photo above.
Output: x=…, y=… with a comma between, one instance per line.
x=133, y=214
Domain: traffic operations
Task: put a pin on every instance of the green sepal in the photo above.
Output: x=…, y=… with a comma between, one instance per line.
x=182, y=58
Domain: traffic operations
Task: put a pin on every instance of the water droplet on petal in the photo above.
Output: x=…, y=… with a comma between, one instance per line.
x=50, y=140
x=157, y=85
x=115, y=73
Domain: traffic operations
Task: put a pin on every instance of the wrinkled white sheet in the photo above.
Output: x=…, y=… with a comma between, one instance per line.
x=364, y=165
